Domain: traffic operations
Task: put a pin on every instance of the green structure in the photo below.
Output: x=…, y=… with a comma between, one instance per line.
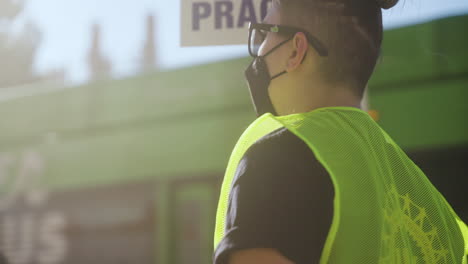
x=130, y=170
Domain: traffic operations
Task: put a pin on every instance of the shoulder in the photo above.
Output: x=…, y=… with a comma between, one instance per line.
x=276, y=155
x=282, y=147
x=280, y=139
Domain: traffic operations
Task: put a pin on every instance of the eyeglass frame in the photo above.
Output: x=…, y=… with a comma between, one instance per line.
x=287, y=30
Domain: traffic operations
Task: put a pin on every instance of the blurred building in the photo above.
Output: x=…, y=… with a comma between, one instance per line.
x=148, y=60
x=18, y=51
x=9, y=9
x=98, y=64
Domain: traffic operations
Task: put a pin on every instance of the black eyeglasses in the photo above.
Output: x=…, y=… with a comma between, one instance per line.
x=258, y=33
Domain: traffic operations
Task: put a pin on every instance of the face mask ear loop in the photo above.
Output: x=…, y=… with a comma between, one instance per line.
x=278, y=75
x=283, y=72
x=274, y=48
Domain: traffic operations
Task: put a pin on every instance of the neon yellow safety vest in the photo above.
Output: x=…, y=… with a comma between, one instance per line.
x=385, y=208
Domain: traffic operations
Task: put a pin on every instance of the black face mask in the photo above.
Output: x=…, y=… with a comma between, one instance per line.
x=258, y=79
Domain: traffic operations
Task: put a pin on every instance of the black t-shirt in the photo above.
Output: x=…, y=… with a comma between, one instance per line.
x=281, y=198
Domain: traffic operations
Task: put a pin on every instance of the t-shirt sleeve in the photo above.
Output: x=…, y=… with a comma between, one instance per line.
x=281, y=198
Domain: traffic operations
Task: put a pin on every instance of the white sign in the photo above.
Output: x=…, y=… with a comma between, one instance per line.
x=219, y=22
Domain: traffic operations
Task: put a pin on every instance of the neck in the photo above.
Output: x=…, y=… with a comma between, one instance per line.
x=308, y=99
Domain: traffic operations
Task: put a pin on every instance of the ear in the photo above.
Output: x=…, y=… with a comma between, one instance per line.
x=300, y=47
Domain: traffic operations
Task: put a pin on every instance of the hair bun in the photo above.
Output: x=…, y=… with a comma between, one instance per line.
x=387, y=4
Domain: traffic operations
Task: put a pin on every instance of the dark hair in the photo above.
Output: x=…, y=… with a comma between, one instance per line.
x=351, y=30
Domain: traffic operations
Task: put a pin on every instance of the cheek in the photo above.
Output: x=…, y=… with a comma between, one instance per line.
x=276, y=61
x=268, y=44
x=265, y=47
x=275, y=64
x=262, y=50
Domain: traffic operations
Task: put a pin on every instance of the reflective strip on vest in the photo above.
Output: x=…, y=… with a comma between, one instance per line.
x=385, y=208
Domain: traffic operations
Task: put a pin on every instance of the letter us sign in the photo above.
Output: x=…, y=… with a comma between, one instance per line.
x=219, y=22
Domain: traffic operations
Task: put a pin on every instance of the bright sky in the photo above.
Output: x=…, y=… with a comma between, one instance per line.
x=66, y=25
